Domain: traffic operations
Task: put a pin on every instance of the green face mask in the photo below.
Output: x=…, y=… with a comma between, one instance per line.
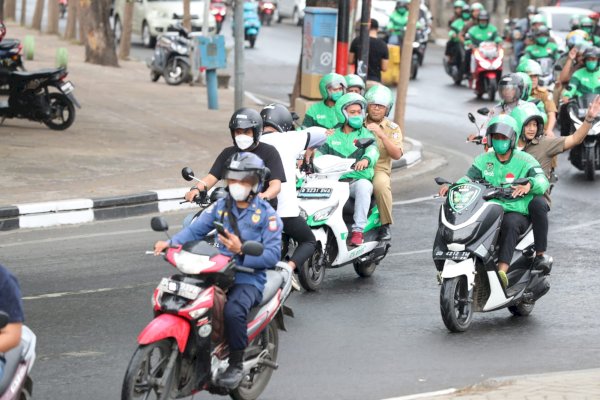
x=484, y=25
x=402, y=10
x=335, y=95
x=466, y=16
x=355, y=121
x=542, y=40
x=587, y=30
x=591, y=65
x=501, y=146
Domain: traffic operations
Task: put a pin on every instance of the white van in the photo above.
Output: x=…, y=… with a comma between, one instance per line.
x=293, y=9
x=153, y=17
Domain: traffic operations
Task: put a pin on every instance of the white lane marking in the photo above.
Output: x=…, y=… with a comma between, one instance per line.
x=425, y=395
x=408, y=253
x=413, y=201
x=86, y=291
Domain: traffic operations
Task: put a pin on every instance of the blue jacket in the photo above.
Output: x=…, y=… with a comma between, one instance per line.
x=258, y=222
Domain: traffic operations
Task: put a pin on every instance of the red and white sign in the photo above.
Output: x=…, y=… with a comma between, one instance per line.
x=510, y=177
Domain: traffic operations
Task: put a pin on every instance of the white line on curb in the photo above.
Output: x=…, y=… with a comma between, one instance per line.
x=424, y=395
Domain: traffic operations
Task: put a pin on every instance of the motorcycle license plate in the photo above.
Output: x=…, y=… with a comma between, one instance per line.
x=314, y=193
x=67, y=87
x=177, y=288
x=452, y=255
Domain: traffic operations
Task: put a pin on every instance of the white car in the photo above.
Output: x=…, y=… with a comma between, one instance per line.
x=558, y=19
x=293, y=9
x=153, y=17
x=382, y=9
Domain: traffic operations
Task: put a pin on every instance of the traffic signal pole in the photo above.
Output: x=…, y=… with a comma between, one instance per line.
x=341, y=59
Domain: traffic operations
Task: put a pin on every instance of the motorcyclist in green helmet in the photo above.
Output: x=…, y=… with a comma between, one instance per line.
x=585, y=80
x=458, y=6
x=534, y=70
x=332, y=86
x=526, y=95
x=355, y=84
x=503, y=166
x=542, y=47
x=398, y=21
x=587, y=25
x=453, y=50
x=351, y=109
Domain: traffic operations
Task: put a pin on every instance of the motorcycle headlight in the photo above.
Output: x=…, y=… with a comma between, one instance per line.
x=324, y=213
x=416, y=45
x=181, y=49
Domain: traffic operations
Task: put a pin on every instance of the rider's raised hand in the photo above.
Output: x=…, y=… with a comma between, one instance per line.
x=594, y=109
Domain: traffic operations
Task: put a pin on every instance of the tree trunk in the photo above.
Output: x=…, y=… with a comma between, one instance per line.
x=37, y=15
x=23, y=12
x=71, y=20
x=187, y=16
x=125, y=45
x=1, y=10
x=52, y=13
x=10, y=10
x=98, y=36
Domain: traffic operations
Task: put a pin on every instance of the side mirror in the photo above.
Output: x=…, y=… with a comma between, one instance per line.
x=471, y=117
x=3, y=319
x=442, y=181
x=187, y=173
x=483, y=111
x=159, y=224
x=252, y=248
x=364, y=142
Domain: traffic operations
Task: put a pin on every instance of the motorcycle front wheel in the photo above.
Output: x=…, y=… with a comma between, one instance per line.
x=176, y=72
x=62, y=112
x=147, y=375
x=256, y=381
x=521, y=309
x=455, y=306
x=590, y=163
x=492, y=88
x=154, y=76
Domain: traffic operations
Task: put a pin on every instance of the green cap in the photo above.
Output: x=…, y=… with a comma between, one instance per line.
x=525, y=113
x=354, y=80
x=331, y=79
x=345, y=101
x=381, y=95
x=530, y=67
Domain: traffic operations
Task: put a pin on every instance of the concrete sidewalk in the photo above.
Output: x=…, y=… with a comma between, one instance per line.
x=570, y=385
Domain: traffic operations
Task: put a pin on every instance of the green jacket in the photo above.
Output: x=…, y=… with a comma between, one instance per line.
x=584, y=82
x=535, y=52
x=478, y=35
x=320, y=114
x=397, y=23
x=455, y=28
x=342, y=145
x=521, y=165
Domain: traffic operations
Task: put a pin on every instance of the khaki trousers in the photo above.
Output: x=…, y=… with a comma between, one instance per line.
x=382, y=188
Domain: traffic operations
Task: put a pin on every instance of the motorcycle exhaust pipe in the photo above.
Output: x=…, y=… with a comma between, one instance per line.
x=269, y=363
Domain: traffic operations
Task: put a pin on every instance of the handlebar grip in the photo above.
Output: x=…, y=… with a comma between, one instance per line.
x=244, y=269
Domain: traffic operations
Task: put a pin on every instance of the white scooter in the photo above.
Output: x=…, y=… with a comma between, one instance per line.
x=326, y=204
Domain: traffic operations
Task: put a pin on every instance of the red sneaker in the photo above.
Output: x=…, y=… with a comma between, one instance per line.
x=356, y=239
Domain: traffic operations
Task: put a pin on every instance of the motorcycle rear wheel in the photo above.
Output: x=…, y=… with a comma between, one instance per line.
x=255, y=383
x=456, y=309
x=146, y=372
x=311, y=274
x=59, y=104
x=365, y=269
x=521, y=309
x=176, y=72
x=492, y=88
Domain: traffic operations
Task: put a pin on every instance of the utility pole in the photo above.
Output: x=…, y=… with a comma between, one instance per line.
x=187, y=16
x=52, y=9
x=405, y=61
x=365, y=24
x=126, y=27
x=238, y=19
x=341, y=59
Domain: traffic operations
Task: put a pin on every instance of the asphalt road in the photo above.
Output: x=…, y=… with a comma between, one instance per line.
x=87, y=291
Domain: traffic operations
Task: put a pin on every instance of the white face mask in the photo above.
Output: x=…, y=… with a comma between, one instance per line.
x=239, y=192
x=243, y=142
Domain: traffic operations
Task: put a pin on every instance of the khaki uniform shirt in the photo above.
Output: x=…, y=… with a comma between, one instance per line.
x=543, y=149
x=544, y=96
x=393, y=132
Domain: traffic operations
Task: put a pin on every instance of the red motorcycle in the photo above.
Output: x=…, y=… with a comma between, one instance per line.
x=266, y=9
x=182, y=350
x=218, y=9
x=488, y=69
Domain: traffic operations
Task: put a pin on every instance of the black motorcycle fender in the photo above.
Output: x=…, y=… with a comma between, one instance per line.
x=70, y=96
x=184, y=59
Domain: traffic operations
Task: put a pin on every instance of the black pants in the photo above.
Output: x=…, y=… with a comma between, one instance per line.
x=467, y=62
x=298, y=229
x=538, y=213
x=240, y=299
x=513, y=225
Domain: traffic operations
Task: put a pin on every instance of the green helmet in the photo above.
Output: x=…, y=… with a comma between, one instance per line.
x=527, y=84
x=504, y=125
x=354, y=80
x=328, y=81
x=530, y=67
x=347, y=100
x=477, y=6
x=539, y=19
x=587, y=24
x=459, y=4
x=525, y=113
x=381, y=95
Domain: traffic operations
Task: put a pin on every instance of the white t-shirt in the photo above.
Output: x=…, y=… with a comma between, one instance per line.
x=289, y=145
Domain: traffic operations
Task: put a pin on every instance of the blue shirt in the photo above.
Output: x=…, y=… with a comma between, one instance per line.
x=10, y=296
x=258, y=222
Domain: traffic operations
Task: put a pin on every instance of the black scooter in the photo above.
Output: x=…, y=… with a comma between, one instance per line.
x=465, y=254
x=16, y=383
x=171, y=58
x=30, y=97
x=586, y=156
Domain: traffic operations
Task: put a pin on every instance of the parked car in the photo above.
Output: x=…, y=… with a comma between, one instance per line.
x=558, y=19
x=593, y=5
x=153, y=17
x=293, y=9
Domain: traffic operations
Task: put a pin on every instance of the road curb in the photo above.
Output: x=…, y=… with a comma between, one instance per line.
x=82, y=210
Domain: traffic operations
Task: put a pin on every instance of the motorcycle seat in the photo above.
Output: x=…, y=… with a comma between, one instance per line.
x=42, y=73
x=274, y=282
x=8, y=44
x=13, y=358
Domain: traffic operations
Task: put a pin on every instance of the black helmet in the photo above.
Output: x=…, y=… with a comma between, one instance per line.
x=542, y=31
x=511, y=81
x=483, y=16
x=277, y=116
x=248, y=167
x=246, y=118
x=591, y=52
